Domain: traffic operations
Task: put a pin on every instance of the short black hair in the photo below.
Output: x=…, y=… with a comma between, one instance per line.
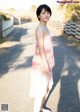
x=40, y=8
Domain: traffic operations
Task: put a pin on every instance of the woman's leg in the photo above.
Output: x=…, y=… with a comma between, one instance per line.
x=38, y=103
x=44, y=99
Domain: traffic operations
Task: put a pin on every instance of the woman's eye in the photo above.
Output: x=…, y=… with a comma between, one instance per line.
x=48, y=13
x=43, y=13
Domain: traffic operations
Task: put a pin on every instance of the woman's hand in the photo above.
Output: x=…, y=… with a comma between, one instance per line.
x=46, y=70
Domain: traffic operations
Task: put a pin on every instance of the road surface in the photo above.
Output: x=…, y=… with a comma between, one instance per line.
x=15, y=68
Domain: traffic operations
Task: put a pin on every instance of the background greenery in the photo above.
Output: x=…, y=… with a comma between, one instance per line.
x=4, y=16
x=72, y=12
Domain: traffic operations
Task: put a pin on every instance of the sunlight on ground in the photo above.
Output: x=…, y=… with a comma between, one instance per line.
x=77, y=63
x=8, y=44
x=55, y=44
x=79, y=88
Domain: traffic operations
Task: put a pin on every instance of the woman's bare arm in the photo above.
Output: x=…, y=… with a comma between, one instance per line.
x=40, y=41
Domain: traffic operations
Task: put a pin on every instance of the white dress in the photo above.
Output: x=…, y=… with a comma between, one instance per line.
x=40, y=82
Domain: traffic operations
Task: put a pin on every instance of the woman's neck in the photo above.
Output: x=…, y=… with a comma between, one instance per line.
x=43, y=23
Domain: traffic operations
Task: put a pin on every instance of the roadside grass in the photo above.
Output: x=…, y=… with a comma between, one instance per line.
x=72, y=40
x=2, y=40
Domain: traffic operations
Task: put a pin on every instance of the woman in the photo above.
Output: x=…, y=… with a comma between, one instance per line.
x=43, y=60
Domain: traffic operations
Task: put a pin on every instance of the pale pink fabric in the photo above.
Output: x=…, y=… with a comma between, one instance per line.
x=39, y=80
x=48, y=47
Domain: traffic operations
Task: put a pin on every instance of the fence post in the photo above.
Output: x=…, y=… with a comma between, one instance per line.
x=77, y=31
x=1, y=35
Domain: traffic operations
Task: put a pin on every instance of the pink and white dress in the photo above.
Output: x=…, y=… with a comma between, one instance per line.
x=39, y=81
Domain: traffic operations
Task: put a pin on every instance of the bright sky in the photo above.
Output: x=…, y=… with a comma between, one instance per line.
x=24, y=4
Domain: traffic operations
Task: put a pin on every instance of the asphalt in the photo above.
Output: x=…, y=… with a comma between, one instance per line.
x=15, y=69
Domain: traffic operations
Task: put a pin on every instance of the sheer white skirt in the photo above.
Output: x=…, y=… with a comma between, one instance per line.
x=40, y=82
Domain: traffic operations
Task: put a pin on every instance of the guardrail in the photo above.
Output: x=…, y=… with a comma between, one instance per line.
x=6, y=28
x=70, y=28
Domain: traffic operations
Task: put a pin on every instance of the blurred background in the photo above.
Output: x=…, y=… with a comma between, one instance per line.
x=23, y=11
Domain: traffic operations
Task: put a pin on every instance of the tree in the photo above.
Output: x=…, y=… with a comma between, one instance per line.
x=11, y=9
x=72, y=10
x=33, y=8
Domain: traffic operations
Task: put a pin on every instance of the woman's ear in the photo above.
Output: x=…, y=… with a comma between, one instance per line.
x=39, y=17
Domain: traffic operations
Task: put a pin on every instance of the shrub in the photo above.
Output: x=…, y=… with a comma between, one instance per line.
x=4, y=16
x=72, y=11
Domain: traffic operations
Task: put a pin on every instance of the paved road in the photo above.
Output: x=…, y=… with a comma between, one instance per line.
x=15, y=68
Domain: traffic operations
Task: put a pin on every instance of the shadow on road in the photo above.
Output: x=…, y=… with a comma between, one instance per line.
x=7, y=59
x=18, y=33
x=67, y=71
x=11, y=56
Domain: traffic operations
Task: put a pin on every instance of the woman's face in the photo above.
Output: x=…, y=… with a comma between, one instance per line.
x=44, y=15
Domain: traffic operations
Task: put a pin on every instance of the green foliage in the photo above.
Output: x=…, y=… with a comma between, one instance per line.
x=72, y=11
x=33, y=8
x=11, y=9
x=61, y=5
x=2, y=40
x=74, y=18
x=4, y=16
